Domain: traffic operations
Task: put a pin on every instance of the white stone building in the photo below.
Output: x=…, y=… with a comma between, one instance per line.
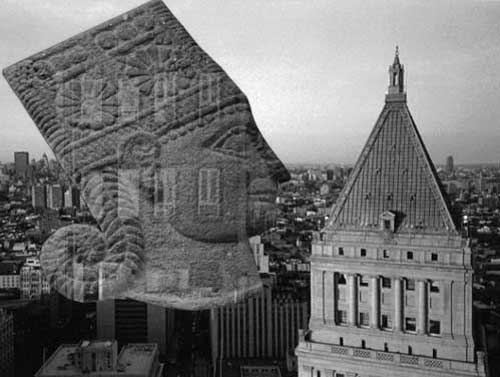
x=391, y=276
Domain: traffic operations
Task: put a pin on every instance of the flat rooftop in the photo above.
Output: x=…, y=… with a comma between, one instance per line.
x=260, y=371
x=134, y=360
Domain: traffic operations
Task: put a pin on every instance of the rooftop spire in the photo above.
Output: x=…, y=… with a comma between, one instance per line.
x=396, y=92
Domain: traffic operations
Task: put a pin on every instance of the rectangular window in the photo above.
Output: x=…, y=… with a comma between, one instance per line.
x=165, y=191
x=209, y=192
x=364, y=319
x=387, y=254
x=434, y=327
x=363, y=252
x=341, y=251
x=409, y=255
x=386, y=322
x=410, y=324
x=410, y=284
x=363, y=281
x=434, y=287
x=434, y=257
x=386, y=282
x=342, y=316
x=341, y=280
x=387, y=224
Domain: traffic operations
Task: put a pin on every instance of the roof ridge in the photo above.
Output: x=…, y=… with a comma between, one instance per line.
x=420, y=146
x=358, y=166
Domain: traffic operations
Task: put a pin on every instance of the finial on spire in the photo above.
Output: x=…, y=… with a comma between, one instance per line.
x=396, y=90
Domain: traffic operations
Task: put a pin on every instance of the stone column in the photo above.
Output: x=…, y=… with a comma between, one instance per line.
x=398, y=304
x=352, y=285
x=422, y=307
x=375, y=302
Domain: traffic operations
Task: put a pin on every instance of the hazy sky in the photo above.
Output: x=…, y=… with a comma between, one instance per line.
x=315, y=71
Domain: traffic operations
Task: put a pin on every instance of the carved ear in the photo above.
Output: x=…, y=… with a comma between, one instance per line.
x=70, y=260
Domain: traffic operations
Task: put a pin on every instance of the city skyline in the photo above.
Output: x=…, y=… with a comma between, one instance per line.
x=303, y=82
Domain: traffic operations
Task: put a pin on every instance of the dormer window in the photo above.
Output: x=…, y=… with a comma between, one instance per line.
x=387, y=220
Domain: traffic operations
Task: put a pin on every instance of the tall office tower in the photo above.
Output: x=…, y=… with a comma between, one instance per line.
x=261, y=326
x=449, y=164
x=21, y=164
x=391, y=277
x=54, y=196
x=38, y=196
x=130, y=321
x=6, y=344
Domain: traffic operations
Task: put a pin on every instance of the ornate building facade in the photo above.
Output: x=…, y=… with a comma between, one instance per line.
x=391, y=276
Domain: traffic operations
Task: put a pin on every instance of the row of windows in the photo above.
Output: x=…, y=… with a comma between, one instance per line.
x=387, y=254
x=386, y=322
x=386, y=283
x=165, y=191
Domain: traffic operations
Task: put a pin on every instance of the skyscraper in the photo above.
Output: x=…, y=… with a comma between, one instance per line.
x=54, y=196
x=6, y=344
x=21, y=164
x=131, y=321
x=449, y=164
x=391, y=276
x=38, y=196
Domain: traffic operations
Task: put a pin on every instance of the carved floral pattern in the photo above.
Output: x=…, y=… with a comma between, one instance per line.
x=126, y=32
x=144, y=65
x=106, y=40
x=145, y=22
x=89, y=104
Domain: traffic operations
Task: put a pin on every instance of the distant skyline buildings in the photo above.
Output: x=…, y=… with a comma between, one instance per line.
x=21, y=164
x=303, y=65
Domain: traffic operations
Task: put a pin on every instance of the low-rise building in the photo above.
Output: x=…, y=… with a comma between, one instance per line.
x=9, y=275
x=33, y=283
x=100, y=358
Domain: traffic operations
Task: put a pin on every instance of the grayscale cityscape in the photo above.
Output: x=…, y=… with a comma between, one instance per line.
x=167, y=209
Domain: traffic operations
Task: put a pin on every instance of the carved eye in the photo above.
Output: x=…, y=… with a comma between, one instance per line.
x=238, y=141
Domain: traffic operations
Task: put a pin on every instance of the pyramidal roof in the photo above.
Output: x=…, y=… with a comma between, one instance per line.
x=394, y=176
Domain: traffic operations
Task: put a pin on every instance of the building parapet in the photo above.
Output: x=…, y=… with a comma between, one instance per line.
x=394, y=358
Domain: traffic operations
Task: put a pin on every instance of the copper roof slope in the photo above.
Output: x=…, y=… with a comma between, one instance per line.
x=393, y=173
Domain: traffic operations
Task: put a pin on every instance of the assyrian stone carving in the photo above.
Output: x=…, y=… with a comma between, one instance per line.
x=170, y=161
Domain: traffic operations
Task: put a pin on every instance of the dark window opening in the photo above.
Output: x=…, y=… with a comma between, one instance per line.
x=363, y=252
x=363, y=344
x=341, y=280
x=410, y=324
x=386, y=282
x=363, y=281
x=434, y=257
x=341, y=251
x=434, y=287
x=434, y=327
x=409, y=255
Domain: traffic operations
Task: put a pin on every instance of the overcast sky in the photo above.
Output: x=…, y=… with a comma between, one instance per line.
x=315, y=71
